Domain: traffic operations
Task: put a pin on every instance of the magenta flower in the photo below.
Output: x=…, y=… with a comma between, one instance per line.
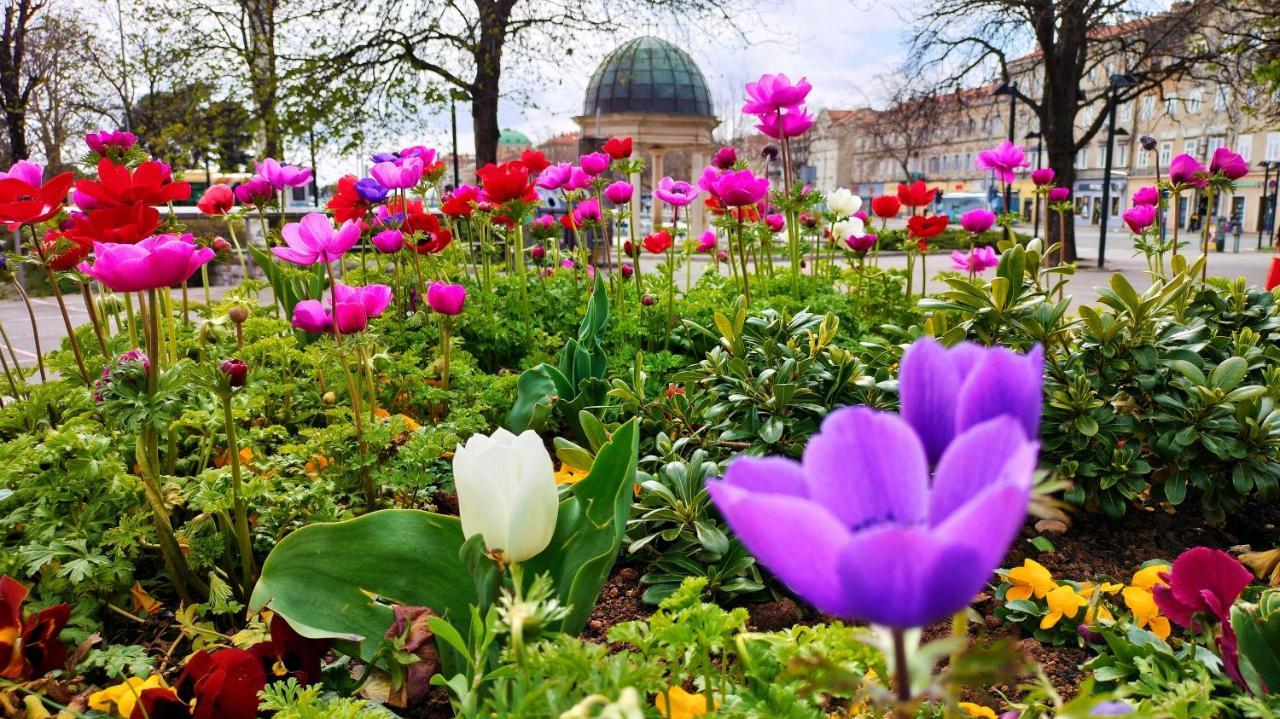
x=399, y=175
x=789, y=124
x=255, y=191
x=619, y=193
x=1139, y=217
x=281, y=176
x=725, y=158
x=945, y=391
x=1042, y=177
x=1201, y=580
x=707, y=241
x=741, y=188
x=1004, y=159
x=388, y=241
x=864, y=530
x=356, y=305
x=707, y=180
x=578, y=179
x=314, y=240
x=26, y=171
x=311, y=316
x=595, y=163
x=1229, y=164
x=587, y=211
x=977, y=261
x=772, y=93
x=627, y=270
x=373, y=298
x=104, y=142
x=677, y=192
x=158, y=261
x=554, y=176
x=1060, y=194
x=446, y=299
x=1186, y=170
x=1146, y=196
x=978, y=221
x=861, y=243
x=775, y=222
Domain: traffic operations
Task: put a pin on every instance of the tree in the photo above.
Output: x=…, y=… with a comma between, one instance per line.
x=904, y=126
x=17, y=78
x=465, y=46
x=1045, y=49
x=70, y=100
x=187, y=127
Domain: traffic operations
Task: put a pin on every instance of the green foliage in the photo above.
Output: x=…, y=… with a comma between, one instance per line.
x=118, y=661
x=1257, y=628
x=288, y=700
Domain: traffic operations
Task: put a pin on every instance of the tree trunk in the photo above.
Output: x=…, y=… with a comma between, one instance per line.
x=263, y=78
x=484, y=119
x=1060, y=146
x=16, y=123
x=494, y=20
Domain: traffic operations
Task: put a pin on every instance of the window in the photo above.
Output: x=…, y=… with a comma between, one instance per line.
x=1102, y=156
x=1273, y=146
x=1144, y=158
x=1166, y=153
x=1171, y=106
x=1193, y=101
x=1126, y=111
x=1082, y=160
x=1244, y=146
x=1192, y=147
x=1220, y=98
x=1148, y=107
x=1088, y=116
x=1122, y=155
x=1214, y=143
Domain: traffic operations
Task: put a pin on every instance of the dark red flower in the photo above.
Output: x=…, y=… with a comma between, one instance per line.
x=916, y=194
x=23, y=203
x=619, y=148
x=123, y=224
x=1201, y=580
x=224, y=684
x=922, y=228
x=29, y=648
x=298, y=655
x=534, y=161
x=217, y=201
x=461, y=202
x=429, y=236
x=886, y=206
x=150, y=183
x=507, y=182
x=160, y=703
x=657, y=242
x=64, y=251
x=347, y=203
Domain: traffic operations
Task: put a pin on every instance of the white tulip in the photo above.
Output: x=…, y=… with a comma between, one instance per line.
x=507, y=492
x=843, y=203
x=852, y=227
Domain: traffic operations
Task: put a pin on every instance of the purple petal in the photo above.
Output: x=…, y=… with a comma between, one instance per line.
x=988, y=523
x=288, y=254
x=796, y=539
x=903, y=577
x=975, y=460
x=868, y=467
x=1004, y=382
x=767, y=475
x=927, y=387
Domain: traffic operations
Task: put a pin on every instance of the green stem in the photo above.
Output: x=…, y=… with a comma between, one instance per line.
x=35, y=328
x=129, y=317
x=248, y=573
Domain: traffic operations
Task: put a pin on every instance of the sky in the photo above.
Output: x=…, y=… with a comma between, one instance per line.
x=839, y=45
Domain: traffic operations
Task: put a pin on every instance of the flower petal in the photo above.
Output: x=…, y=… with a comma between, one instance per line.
x=868, y=467
x=928, y=385
x=975, y=460
x=1003, y=382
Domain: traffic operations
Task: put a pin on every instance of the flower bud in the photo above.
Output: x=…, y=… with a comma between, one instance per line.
x=220, y=245
x=647, y=300
x=538, y=252
x=235, y=370
x=627, y=270
x=722, y=256
x=238, y=314
x=770, y=153
x=725, y=158
x=519, y=469
x=1148, y=143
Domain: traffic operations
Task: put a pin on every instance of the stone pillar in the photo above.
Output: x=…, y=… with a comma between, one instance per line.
x=655, y=175
x=698, y=210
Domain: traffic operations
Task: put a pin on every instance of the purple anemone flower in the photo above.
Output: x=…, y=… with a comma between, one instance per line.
x=862, y=528
x=370, y=191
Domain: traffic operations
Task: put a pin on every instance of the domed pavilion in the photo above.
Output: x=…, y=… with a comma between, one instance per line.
x=651, y=91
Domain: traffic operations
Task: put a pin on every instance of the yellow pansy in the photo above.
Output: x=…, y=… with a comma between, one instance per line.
x=1100, y=613
x=1031, y=578
x=683, y=704
x=1063, y=601
x=1088, y=588
x=1145, y=612
x=1149, y=577
x=569, y=474
x=977, y=710
x=119, y=700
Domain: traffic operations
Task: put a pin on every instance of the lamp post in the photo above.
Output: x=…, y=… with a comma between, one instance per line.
x=1010, y=89
x=1035, y=221
x=1264, y=206
x=453, y=124
x=1117, y=82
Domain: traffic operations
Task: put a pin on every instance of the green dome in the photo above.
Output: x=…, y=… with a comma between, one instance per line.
x=648, y=75
x=513, y=137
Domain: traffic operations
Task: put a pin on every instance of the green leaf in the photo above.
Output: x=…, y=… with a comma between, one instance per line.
x=1086, y=425
x=1230, y=373
x=537, y=391
x=1043, y=544
x=1259, y=638
x=1175, y=488
x=338, y=579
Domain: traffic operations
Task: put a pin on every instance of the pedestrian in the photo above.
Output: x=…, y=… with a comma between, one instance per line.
x=1237, y=227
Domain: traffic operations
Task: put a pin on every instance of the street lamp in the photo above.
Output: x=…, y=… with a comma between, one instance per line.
x=1010, y=89
x=1265, y=207
x=454, y=96
x=1117, y=82
x=1035, y=222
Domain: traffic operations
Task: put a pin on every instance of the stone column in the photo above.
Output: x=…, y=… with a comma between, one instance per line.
x=698, y=210
x=655, y=175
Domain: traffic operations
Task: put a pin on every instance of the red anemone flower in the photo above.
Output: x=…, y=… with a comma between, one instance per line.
x=507, y=182
x=461, y=202
x=29, y=648
x=534, y=161
x=150, y=183
x=347, y=203
x=619, y=148
x=923, y=228
x=657, y=242
x=64, y=251
x=916, y=194
x=22, y=203
x=217, y=201
x=123, y=224
x=886, y=206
